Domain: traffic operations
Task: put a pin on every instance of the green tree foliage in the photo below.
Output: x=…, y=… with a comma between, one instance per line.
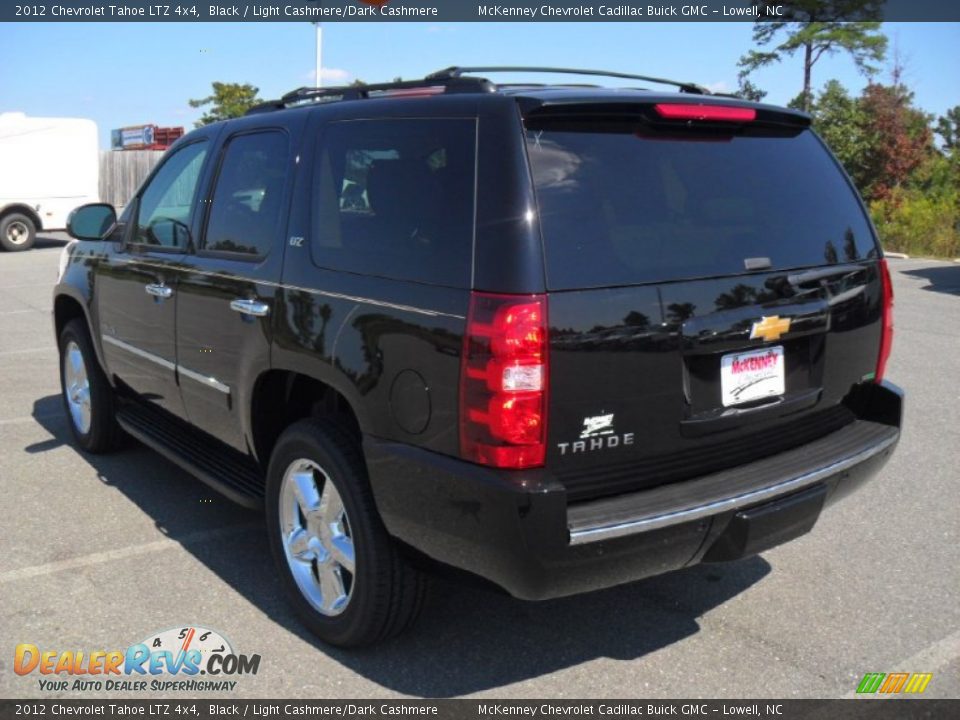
x=229, y=100
x=919, y=224
x=914, y=188
x=948, y=128
x=748, y=91
x=886, y=145
x=843, y=125
x=921, y=216
x=799, y=102
x=899, y=139
x=815, y=28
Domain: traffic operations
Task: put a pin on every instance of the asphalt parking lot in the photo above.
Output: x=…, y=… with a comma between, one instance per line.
x=100, y=552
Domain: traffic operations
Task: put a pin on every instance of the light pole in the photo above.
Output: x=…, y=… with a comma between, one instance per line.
x=319, y=27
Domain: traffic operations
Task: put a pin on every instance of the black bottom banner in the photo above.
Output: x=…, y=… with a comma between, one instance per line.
x=872, y=708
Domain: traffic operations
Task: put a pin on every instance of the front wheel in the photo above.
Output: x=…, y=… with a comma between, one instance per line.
x=341, y=571
x=17, y=232
x=87, y=396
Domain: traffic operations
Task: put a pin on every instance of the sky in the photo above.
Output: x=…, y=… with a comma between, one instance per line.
x=121, y=74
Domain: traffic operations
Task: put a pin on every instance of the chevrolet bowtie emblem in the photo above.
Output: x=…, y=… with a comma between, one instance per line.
x=770, y=328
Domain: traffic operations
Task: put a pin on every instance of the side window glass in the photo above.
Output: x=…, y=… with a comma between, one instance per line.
x=163, y=216
x=247, y=203
x=394, y=198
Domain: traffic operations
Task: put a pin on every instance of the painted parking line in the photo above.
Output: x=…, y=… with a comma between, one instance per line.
x=107, y=556
x=30, y=418
x=26, y=351
x=935, y=656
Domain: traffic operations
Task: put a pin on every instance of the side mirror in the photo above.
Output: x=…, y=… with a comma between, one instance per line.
x=91, y=222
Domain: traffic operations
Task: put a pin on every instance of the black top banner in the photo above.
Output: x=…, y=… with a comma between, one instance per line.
x=473, y=11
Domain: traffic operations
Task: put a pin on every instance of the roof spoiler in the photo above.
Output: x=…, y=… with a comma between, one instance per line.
x=644, y=109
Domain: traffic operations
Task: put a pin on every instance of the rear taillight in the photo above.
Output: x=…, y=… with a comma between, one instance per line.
x=692, y=111
x=886, y=333
x=503, y=381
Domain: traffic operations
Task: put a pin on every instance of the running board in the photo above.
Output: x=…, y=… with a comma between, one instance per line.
x=227, y=471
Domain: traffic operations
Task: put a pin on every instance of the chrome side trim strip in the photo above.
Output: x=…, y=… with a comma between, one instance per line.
x=210, y=382
x=369, y=301
x=139, y=353
x=133, y=350
x=653, y=522
x=314, y=291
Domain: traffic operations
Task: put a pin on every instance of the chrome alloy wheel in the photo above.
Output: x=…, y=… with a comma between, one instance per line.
x=317, y=540
x=76, y=387
x=17, y=233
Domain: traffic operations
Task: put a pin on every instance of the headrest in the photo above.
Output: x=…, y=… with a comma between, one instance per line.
x=396, y=188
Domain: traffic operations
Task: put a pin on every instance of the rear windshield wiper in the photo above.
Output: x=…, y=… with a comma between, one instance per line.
x=810, y=276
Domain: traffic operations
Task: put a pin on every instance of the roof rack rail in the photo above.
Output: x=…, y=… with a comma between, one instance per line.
x=455, y=72
x=449, y=80
x=362, y=92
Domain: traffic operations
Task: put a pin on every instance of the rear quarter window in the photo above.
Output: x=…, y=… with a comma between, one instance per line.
x=620, y=208
x=394, y=198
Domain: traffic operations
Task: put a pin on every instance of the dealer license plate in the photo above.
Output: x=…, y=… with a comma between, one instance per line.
x=749, y=376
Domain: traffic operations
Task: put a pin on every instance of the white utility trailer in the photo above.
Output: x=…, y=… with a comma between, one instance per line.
x=48, y=167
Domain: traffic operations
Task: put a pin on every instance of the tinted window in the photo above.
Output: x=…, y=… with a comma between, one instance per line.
x=617, y=208
x=163, y=216
x=247, y=203
x=394, y=198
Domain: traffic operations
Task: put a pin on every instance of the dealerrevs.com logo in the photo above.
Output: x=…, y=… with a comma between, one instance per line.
x=189, y=659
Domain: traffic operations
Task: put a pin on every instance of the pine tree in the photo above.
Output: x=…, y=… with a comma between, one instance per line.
x=229, y=100
x=815, y=27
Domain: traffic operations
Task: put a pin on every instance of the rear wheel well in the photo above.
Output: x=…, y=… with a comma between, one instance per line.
x=65, y=309
x=281, y=398
x=23, y=210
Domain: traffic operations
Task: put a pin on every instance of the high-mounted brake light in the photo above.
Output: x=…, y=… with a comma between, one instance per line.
x=886, y=331
x=692, y=111
x=503, y=381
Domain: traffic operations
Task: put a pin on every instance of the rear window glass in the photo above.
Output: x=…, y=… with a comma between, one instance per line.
x=617, y=208
x=394, y=198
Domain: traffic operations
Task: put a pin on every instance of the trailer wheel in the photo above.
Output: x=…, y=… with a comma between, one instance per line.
x=17, y=232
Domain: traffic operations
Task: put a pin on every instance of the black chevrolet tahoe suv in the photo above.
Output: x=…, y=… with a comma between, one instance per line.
x=559, y=337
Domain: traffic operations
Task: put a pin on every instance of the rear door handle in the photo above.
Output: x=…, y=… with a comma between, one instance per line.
x=254, y=308
x=160, y=291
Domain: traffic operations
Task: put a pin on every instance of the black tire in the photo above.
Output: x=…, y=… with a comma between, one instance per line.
x=17, y=232
x=386, y=594
x=102, y=434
